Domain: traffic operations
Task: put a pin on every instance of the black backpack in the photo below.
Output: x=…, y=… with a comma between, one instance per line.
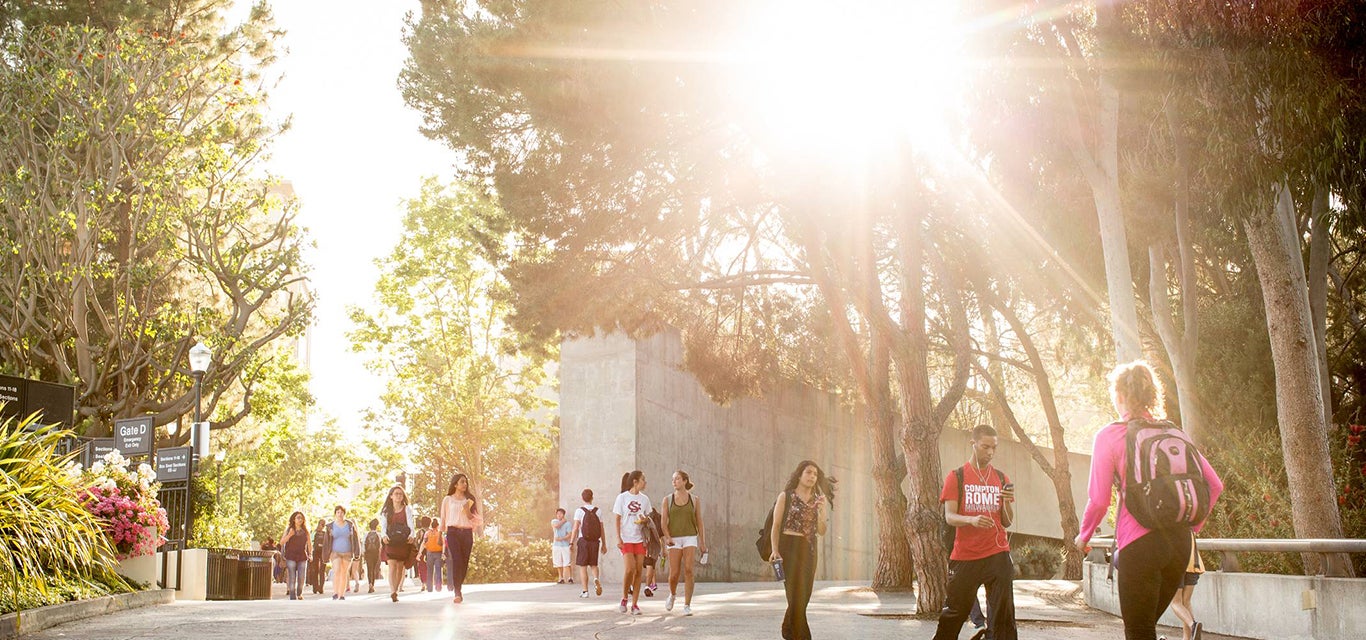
x=591, y=529
x=947, y=532
x=764, y=543
x=399, y=531
x=372, y=543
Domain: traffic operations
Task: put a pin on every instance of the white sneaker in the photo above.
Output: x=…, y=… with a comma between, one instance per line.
x=669, y=603
x=622, y=606
x=583, y=595
x=687, y=609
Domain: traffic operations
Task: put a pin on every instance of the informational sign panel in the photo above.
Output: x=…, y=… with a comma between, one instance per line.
x=12, y=391
x=133, y=436
x=173, y=464
x=55, y=403
x=96, y=449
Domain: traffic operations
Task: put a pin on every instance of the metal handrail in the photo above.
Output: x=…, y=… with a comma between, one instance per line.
x=1230, y=547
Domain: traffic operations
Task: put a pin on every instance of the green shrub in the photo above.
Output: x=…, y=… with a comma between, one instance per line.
x=508, y=561
x=52, y=548
x=1035, y=558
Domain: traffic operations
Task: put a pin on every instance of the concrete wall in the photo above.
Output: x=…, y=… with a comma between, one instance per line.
x=627, y=405
x=1258, y=605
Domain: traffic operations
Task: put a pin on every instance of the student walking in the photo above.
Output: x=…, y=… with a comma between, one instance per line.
x=373, y=543
x=800, y=513
x=1181, y=603
x=588, y=542
x=460, y=517
x=632, y=510
x=561, y=528
x=684, y=537
x=317, y=567
x=654, y=548
x=396, y=518
x=342, y=540
x=1153, y=546
x=979, y=502
x=296, y=553
x=433, y=542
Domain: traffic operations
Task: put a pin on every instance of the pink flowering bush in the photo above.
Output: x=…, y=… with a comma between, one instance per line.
x=125, y=503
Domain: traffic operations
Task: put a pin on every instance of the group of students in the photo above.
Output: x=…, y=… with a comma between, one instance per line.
x=441, y=545
x=644, y=534
x=1143, y=456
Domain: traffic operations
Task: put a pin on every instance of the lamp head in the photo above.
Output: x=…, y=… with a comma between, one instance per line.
x=219, y=455
x=241, y=472
x=200, y=357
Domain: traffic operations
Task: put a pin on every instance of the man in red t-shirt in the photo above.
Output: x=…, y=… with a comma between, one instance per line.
x=981, y=547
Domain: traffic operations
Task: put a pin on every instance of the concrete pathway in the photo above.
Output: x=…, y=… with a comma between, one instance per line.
x=1046, y=609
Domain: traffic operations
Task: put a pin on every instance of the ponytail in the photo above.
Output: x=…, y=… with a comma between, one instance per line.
x=1139, y=386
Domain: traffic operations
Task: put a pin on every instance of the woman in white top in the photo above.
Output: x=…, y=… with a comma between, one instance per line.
x=459, y=518
x=396, y=522
x=632, y=509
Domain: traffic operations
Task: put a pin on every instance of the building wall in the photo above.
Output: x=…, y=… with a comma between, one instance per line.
x=627, y=405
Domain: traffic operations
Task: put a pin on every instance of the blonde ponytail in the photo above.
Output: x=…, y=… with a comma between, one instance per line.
x=1139, y=386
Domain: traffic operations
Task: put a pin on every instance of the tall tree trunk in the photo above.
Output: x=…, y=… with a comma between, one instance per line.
x=1114, y=240
x=1320, y=255
x=1098, y=157
x=1059, y=468
x=920, y=434
x=895, y=567
x=1299, y=403
x=1180, y=345
x=872, y=377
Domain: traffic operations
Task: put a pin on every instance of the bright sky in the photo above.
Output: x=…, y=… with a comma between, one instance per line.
x=353, y=153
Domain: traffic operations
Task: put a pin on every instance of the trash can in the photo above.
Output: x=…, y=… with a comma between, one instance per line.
x=222, y=574
x=254, y=574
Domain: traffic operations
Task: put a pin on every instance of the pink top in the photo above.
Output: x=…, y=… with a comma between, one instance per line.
x=453, y=513
x=1107, y=458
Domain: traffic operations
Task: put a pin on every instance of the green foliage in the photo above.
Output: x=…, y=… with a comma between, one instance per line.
x=290, y=469
x=494, y=561
x=52, y=548
x=462, y=386
x=1036, y=558
x=138, y=153
x=221, y=529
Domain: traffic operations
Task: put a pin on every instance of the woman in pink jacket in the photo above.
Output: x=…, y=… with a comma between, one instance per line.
x=1151, y=563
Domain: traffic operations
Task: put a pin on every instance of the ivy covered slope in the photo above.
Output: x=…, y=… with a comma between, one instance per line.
x=54, y=550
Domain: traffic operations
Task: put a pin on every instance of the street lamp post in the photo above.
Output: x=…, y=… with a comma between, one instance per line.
x=241, y=481
x=200, y=357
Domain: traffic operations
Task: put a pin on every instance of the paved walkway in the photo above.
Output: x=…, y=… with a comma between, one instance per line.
x=1046, y=609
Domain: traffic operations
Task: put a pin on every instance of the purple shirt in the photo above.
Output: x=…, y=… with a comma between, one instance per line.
x=1107, y=457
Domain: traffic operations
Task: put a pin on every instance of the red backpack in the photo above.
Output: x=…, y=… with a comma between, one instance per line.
x=1164, y=484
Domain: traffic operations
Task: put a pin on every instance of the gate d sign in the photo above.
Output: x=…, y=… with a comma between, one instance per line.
x=133, y=436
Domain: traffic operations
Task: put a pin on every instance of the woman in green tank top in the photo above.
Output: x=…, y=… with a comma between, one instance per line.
x=684, y=536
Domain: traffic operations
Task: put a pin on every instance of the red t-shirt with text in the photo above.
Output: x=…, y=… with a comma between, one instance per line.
x=982, y=496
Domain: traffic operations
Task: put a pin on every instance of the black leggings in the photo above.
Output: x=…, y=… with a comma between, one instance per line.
x=799, y=565
x=997, y=572
x=459, y=543
x=1151, y=570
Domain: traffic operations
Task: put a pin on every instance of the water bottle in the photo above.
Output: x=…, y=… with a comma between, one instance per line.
x=778, y=570
x=703, y=560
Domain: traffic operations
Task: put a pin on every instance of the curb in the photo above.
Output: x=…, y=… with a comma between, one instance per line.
x=13, y=625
